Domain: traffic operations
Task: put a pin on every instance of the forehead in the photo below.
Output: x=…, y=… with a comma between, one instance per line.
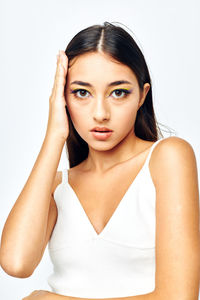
x=98, y=66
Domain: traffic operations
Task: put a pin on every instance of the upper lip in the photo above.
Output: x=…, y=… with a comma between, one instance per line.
x=101, y=129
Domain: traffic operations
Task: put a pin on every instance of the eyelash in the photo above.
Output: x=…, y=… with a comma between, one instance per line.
x=126, y=92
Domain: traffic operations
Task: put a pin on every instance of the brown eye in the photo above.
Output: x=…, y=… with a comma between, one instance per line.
x=81, y=93
x=122, y=92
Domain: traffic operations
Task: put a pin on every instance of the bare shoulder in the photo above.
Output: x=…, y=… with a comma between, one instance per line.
x=171, y=155
x=173, y=145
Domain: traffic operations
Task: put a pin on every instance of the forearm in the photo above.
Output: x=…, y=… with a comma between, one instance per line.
x=149, y=296
x=24, y=232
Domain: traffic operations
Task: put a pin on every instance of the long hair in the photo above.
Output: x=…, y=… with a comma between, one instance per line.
x=120, y=45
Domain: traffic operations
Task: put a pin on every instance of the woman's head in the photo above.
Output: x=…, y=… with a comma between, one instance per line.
x=99, y=55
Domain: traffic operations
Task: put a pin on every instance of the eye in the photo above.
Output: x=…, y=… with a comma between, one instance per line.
x=120, y=91
x=82, y=91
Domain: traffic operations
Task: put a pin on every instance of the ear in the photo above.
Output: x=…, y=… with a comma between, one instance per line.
x=146, y=88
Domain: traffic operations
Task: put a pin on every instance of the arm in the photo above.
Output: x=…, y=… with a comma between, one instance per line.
x=150, y=296
x=24, y=232
x=175, y=177
x=46, y=295
x=30, y=221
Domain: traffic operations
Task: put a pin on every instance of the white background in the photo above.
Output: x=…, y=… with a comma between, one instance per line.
x=32, y=32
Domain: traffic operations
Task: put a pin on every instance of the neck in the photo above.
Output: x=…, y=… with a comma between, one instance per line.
x=100, y=161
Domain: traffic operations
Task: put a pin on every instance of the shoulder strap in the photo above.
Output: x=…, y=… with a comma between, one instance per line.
x=65, y=175
x=151, y=150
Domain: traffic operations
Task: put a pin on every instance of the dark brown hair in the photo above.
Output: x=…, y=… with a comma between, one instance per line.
x=120, y=45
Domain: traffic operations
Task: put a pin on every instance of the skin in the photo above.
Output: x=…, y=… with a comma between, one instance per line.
x=100, y=106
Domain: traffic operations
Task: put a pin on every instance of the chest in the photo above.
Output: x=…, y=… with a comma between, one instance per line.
x=100, y=197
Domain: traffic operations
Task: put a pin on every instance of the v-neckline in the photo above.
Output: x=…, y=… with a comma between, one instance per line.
x=94, y=232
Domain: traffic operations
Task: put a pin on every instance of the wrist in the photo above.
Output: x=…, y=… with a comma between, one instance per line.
x=55, y=138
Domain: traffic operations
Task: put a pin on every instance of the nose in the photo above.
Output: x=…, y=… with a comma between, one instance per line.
x=101, y=110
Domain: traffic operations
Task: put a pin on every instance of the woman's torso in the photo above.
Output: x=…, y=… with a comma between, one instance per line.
x=103, y=243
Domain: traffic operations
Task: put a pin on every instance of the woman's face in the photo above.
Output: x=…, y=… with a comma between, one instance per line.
x=97, y=99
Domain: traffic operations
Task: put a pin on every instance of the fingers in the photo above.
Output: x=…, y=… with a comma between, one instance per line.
x=61, y=73
x=64, y=59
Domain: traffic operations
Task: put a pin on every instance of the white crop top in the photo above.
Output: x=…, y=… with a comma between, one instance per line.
x=118, y=262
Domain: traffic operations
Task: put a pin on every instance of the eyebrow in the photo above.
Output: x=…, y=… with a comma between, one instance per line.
x=110, y=84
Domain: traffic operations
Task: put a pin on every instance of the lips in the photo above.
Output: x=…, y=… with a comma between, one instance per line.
x=101, y=129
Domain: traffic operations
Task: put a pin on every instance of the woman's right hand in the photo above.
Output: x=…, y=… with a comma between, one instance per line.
x=58, y=120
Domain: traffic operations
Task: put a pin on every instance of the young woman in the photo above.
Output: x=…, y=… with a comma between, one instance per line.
x=123, y=220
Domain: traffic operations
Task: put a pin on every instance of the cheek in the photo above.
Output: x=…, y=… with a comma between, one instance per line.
x=127, y=116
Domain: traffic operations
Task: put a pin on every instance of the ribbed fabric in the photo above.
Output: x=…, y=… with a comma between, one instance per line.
x=118, y=262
